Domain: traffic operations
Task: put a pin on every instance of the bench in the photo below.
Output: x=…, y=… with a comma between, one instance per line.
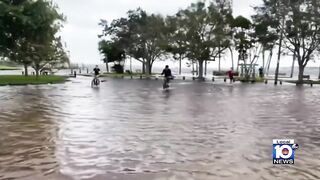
x=306, y=77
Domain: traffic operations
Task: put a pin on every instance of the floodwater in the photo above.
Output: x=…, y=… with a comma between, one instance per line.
x=133, y=130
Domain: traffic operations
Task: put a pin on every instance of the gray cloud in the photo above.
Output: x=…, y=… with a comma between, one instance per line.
x=81, y=30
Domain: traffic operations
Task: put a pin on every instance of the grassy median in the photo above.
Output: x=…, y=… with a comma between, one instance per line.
x=6, y=68
x=30, y=80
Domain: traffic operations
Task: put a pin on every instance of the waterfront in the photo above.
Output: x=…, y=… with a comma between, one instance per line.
x=132, y=129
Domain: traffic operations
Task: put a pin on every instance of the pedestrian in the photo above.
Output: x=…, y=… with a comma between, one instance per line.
x=230, y=73
x=261, y=73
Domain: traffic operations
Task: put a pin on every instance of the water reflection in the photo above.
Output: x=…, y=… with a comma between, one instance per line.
x=132, y=129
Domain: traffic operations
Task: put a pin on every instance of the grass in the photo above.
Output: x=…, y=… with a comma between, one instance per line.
x=4, y=68
x=246, y=80
x=32, y=80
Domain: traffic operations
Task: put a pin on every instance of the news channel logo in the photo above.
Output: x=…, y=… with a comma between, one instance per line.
x=283, y=151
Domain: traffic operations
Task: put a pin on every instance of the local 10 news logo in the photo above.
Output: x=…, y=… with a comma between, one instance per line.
x=283, y=151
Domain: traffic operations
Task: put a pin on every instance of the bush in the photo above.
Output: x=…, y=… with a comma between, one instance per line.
x=117, y=68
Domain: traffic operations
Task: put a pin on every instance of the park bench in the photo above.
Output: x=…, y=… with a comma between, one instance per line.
x=194, y=72
x=306, y=77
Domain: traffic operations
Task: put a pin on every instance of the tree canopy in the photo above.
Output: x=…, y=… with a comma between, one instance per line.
x=29, y=32
x=140, y=35
x=298, y=23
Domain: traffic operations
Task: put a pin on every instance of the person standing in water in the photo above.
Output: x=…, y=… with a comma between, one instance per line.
x=230, y=74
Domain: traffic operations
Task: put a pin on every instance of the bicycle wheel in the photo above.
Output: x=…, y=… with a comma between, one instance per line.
x=92, y=83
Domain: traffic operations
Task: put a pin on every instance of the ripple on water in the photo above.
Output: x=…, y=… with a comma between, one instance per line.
x=133, y=130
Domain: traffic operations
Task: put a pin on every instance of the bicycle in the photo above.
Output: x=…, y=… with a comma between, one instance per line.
x=166, y=82
x=95, y=81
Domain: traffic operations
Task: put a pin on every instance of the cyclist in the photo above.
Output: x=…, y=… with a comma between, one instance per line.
x=96, y=71
x=95, y=80
x=167, y=75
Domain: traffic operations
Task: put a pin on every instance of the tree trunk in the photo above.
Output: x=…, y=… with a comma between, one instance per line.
x=269, y=62
x=232, y=60
x=180, y=61
x=197, y=68
x=205, y=69
x=192, y=68
x=301, y=72
x=319, y=73
x=293, y=61
x=143, y=67
x=263, y=59
x=279, y=56
x=107, y=67
x=200, y=75
x=37, y=69
x=26, y=70
x=219, y=60
x=130, y=64
x=148, y=67
x=238, y=63
x=37, y=72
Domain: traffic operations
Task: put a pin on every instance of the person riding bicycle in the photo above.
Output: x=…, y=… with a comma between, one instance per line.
x=167, y=74
x=96, y=81
x=96, y=71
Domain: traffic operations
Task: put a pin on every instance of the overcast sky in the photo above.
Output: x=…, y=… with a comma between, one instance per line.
x=81, y=29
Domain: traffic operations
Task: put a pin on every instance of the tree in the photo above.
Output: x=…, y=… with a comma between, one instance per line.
x=29, y=30
x=266, y=37
x=50, y=56
x=206, y=31
x=298, y=23
x=243, y=40
x=142, y=36
x=112, y=52
x=176, y=40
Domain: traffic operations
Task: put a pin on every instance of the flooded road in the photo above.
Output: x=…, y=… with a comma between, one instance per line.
x=132, y=130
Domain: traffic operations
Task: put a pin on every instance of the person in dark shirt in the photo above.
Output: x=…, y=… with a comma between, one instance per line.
x=167, y=75
x=261, y=72
x=167, y=72
x=96, y=71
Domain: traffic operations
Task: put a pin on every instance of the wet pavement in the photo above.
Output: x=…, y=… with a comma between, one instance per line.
x=133, y=130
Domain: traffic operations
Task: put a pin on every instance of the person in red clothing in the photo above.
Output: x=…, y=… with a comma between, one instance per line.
x=230, y=73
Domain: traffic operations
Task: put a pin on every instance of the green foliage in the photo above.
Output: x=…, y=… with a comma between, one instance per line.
x=241, y=22
x=112, y=51
x=202, y=31
x=29, y=32
x=243, y=34
x=140, y=35
x=299, y=23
